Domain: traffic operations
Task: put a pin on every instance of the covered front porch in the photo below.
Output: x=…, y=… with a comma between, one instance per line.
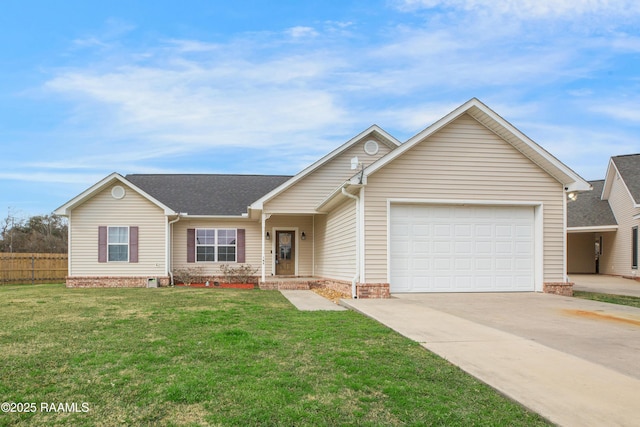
x=287, y=246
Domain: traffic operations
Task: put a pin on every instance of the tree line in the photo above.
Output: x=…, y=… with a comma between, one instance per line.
x=39, y=233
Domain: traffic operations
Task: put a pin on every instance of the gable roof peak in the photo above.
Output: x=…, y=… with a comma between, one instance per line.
x=383, y=136
x=505, y=130
x=110, y=179
x=628, y=167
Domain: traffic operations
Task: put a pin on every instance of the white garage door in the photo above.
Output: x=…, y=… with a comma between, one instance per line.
x=442, y=248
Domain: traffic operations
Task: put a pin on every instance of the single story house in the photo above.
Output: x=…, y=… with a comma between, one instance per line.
x=603, y=226
x=469, y=204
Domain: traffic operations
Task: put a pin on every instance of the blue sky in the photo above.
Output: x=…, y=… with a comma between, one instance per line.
x=93, y=87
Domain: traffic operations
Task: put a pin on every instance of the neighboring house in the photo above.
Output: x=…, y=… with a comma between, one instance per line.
x=603, y=226
x=470, y=204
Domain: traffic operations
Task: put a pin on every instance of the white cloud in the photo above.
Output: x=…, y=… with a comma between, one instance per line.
x=306, y=90
x=300, y=32
x=530, y=9
x=622, y=110
x=171, y=104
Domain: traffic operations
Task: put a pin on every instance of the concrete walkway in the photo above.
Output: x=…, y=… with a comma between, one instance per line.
x=562, y=387
x=310, y=301
x=605, y=284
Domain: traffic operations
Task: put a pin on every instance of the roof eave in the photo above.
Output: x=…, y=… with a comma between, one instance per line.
x=335, y=195
x=592, y=229
x=241, y=216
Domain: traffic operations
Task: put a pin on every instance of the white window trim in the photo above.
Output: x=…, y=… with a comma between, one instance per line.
x=128, y=244
x=215, y=245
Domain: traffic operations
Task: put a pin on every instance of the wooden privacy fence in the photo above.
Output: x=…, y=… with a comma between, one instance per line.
x=32, y=268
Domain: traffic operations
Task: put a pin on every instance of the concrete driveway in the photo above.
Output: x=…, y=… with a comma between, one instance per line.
x=605, y=284
x=575, y=362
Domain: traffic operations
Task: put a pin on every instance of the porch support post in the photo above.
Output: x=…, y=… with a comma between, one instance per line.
x=265, y=217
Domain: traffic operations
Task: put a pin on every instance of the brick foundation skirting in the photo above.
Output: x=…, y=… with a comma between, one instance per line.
x=363, y=290
x=373, y=290
x=559, y=288
x=113, y=282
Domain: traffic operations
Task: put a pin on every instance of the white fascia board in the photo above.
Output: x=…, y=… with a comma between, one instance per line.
x=612, y=172
x=592, y=229
x=388, y=140
x=65, y=209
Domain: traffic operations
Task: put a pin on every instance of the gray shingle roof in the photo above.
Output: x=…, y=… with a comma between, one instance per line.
x=589, y=210
x=207, y=194
x=629, y=168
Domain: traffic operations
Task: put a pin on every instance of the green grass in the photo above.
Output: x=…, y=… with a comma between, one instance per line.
x=193, y=357
x=614, y=299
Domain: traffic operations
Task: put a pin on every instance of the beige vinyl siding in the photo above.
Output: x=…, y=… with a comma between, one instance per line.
x=305, y=195
x=253, y=242
x=622, y=206
x=336, y=243
x=464, y=160
x=104, y=210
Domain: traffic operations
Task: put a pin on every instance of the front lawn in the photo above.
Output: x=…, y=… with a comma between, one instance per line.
x=183, y=356
x=613, y=299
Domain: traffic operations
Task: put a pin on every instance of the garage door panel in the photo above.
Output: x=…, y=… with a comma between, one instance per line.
x=464, y=264
x=441, y=283
x=465, y=247
x=503, y=247
x=442, y=247
x=504, y=231
x=442, y=230
x=462, y=248
x=483, y=231
x=421, y=247
x=524, y=249
x=442, y=264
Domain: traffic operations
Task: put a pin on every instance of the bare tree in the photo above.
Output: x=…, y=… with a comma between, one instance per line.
x=40, y=233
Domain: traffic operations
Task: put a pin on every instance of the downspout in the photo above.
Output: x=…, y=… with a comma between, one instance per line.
x=169, y=245
x=69, y=243
x=357, y=275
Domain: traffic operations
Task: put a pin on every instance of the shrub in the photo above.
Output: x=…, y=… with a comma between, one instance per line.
x=240, y=274
x=188, y=275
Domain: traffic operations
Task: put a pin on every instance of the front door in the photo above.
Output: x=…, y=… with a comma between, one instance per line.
x=286, y=254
